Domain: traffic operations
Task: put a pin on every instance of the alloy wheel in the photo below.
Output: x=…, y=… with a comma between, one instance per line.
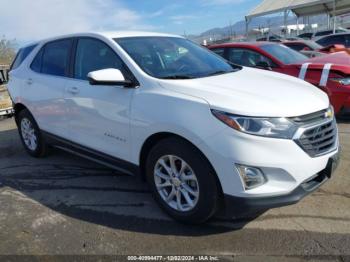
x=176, y=183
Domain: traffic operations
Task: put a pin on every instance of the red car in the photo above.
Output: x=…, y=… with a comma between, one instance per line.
x=331, y=73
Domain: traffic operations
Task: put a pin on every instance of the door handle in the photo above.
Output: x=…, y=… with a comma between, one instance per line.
x=73, y=90
x=29, y=81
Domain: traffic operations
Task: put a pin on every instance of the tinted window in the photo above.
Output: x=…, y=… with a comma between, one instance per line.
x=173, y=58
x=247, y=57
x=37, y=62
x=95, y=55
x=306, y=35
x=55, y=59
x=332, y=40
x=284, y=54
x=219, y=51
x=296, y=47
x=322, y=33
x=21, y=56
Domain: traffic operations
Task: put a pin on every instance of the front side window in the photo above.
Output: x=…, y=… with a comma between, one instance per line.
x=284, y=54
x=173, y=58
x=247, y=57
x=92, y=55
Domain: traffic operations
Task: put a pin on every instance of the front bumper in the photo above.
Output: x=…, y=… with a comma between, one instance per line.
x=6, y=111
x=234, y=206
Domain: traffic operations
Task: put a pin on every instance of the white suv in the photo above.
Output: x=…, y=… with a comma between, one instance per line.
x=207, y=135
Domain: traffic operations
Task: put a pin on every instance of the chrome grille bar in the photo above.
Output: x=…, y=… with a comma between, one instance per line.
x=317, y=134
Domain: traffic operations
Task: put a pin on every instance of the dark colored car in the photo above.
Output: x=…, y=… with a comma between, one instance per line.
x=306, y=36
x=336, y=39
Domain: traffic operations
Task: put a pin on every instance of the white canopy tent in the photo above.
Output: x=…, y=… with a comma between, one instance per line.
x=300, y=8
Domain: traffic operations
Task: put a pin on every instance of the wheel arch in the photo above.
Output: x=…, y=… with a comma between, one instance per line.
x=152, y=140
x=18, y=107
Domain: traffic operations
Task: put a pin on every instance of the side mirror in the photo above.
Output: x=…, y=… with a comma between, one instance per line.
x=111, y=77
x=263, y=65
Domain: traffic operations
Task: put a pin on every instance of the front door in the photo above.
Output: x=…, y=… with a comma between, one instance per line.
x=98, y=114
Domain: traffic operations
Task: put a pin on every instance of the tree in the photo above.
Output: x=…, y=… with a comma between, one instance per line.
x=7, y=51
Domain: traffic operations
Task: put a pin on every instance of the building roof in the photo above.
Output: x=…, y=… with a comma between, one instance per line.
x=300, y=7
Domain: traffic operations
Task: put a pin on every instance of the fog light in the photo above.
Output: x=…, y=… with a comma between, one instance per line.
x=251, y=176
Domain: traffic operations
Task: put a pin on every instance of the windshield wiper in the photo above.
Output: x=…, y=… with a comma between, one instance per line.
x=177, y=77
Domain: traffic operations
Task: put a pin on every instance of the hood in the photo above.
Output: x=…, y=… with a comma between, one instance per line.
x=340, y=62
x=254, y=92
x=339, y=58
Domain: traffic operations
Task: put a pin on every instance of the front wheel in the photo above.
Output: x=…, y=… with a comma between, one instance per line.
x=182, y=181
x=30, y=134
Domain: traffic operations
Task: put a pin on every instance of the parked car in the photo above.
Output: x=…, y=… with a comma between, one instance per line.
x=271, y=38
x=306, y=47
x=207, y=135
x=309, y=36
x=331, y=73
x=336, y=39
x=312, y=49
x=5, y=100
x=306, y=36
x=6, y=109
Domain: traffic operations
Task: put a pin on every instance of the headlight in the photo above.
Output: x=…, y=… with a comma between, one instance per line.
x=343, y=81
x=259, y=126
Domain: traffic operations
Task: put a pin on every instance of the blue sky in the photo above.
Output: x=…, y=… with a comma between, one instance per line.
x=28, y=20
x=192, y=16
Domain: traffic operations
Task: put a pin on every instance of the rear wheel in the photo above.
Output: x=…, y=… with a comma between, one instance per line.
x=182, y=181
x=30, y=134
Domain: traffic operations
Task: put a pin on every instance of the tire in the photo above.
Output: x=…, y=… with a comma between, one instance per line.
x=203, y=191
x=30, y=134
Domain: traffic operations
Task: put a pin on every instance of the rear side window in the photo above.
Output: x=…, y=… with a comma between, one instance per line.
x=21, y=56
x=53, y=58
x=37, y=62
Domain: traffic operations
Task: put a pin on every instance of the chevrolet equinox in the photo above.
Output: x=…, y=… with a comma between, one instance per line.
x=206, y=134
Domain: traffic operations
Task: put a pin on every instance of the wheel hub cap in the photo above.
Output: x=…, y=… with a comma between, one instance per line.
x=176, y=182
x=28, y=134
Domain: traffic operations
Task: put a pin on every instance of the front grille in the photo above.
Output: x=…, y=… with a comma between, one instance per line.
x=310, y=118
x=320, y=139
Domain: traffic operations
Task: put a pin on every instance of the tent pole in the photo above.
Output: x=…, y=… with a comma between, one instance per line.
x=246, y=27
x=297, y=25
x=285, y=23
x=334, y=17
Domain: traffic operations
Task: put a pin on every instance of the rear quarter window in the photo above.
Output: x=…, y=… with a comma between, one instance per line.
x=21, y=56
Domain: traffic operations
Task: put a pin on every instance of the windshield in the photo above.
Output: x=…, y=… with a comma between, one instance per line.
x=174, y=58
x=284, y=54
x=314, y=45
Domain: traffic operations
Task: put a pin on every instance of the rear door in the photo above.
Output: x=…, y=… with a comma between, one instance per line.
x=98, y=114
x=45, y=85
